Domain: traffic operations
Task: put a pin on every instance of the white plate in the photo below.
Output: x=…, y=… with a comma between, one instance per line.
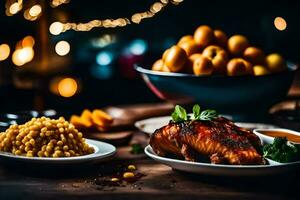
x=102, y=151
x=150, y=125
x=224, y=170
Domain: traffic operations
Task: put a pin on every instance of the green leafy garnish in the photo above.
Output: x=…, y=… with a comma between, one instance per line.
x=180, y=114
x=208, y=115
x=196, y=111
x=281, y=150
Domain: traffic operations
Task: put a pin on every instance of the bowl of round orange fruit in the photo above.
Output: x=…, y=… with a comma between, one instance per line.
x=227, y=73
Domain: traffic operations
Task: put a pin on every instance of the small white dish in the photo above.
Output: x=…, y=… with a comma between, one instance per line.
x=269, y=139
x=150, y=125
x=224, y=170
x=102, y=152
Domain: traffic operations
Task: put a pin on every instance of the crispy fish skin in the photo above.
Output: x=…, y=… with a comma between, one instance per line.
x=219, y=141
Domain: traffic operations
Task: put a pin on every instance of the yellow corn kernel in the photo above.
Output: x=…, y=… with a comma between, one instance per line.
x=131, y=167
x=114, y=179
x=128, y=175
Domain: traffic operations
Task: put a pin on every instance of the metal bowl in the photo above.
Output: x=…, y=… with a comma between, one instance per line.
x=227, y=94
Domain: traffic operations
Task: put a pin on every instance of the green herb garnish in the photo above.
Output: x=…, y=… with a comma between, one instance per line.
x=208, y=115
x=180, y=114
x=281, y=150
x=196, y=111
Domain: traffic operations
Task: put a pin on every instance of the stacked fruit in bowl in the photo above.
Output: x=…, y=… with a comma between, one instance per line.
x=210, y=52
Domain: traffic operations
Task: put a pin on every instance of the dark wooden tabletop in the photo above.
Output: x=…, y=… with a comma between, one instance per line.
x=87, y=181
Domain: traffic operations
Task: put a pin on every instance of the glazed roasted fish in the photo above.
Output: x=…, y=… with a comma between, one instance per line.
x=218, y=141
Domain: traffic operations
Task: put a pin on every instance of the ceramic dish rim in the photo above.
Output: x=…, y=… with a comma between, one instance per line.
x=149, y=152
x=291, y=66
x=96, y=155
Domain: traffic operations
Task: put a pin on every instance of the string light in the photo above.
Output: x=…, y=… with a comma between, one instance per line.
x=156, y=7
x=24, y=52
x=55, y=3
x=22, y=56
x=28, y=41
x=120, y=22
x=280, y=23
x=4, y=52
x=13, y=8
x=62, y=48
x=136, y=18
x=35, y=10
x=57, y=27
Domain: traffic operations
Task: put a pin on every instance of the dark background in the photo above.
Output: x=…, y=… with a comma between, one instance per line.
x=122, y=85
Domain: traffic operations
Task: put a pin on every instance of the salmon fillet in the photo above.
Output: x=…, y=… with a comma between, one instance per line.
x=218, y=141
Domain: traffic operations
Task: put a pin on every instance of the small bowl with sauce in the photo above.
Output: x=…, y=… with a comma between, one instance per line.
x=267, y=135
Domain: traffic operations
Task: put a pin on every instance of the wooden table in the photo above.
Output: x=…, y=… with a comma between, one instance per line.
x=24, y=181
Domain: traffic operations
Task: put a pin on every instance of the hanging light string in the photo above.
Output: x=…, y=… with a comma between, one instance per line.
x=56, y=3
x=12, y=7
x=56, y=28
x=136, y=18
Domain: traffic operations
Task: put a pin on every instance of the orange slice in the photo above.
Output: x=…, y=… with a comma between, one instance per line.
x=86, y=115
x=101, y=118
x=79, y=122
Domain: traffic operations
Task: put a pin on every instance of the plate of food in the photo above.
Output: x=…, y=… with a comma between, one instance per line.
x=206, y=143
x=45, y=140
x=151, y=124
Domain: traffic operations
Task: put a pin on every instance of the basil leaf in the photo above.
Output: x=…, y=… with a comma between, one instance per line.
x=196, y=111
x=175, y=117
x=208, y=115
x=179, y=114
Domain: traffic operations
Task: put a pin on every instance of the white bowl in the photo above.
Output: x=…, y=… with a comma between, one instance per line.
x=269, y=139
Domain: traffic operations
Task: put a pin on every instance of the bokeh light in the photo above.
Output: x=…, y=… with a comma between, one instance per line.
x=4, y=51
x=104, y=58
x=55, y=3
x=22, y=56
x=67, y=87
x=103, y=41
x=138, y=47
x=28, y=41
x=14, y=8
x=56, y=28
x=280, y=23
x=27, y=16
x=35, y=10
x=62, y=48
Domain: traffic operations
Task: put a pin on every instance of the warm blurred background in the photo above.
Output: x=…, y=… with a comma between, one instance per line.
x=42, y=67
